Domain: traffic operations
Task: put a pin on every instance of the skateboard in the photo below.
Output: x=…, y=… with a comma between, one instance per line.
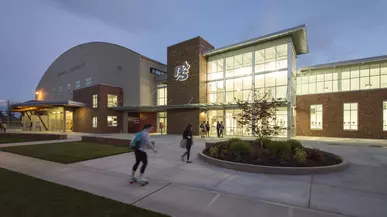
x=135, y=180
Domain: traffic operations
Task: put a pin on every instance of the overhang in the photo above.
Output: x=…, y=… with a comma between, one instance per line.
x=38, y=105
x=346, y=63
x=212, y=106
x=298, y=35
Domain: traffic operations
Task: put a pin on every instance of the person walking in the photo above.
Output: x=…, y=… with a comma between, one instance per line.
x=203, y=129
x=140, y=144
x=208, y=129
x=187, y=139
x=4, y=127
x=221, y=128
x=218, y=129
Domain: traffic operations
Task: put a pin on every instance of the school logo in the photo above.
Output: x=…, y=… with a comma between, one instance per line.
x=182, y=72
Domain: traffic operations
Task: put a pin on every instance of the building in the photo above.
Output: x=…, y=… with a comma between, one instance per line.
x=343, y=99
x=105, y=88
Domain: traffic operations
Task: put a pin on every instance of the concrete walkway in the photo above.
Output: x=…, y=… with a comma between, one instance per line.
x=198, y=189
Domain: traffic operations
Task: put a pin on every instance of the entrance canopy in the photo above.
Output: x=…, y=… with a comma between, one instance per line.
x=160, y=108
x=44, y=105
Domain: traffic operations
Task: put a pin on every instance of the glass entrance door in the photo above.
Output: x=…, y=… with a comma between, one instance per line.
x=69, y=121
x=213, y=117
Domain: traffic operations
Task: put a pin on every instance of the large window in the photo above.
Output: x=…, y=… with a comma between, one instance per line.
x=112, y=101
x=88, y=81
x=95, y=101
x=232, y=77
x=368, y=76
x=215, y=92
x=385, y=116
x=95, y=122
x=316, y=117
x=112, y=121
x=274, y=84
x=162, y=94
x=350, y=116
x=271, y=59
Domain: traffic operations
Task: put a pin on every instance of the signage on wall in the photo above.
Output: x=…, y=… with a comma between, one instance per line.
x=182, y=72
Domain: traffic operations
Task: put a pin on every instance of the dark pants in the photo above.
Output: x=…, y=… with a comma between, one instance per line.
x=188, y=146
x=218, y=132
x=221, y=133
x=140, y=157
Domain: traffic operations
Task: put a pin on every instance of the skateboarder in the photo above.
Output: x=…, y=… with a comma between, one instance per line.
x=140, y=144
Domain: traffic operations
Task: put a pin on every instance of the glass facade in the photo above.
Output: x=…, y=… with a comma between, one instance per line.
x=162, y=94
x=237, y=74
x=234, y=77
x=367, y=76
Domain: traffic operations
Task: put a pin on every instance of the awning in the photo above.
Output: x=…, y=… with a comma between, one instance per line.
x=161, y=108
x=39, y=105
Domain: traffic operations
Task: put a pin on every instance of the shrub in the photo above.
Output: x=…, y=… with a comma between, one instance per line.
x=231, y=140
x=300, y=155
x=240, y=148
x=294, y=144
x=280, y=149
x=223, y=153
x=214, y=152
x=316, y=155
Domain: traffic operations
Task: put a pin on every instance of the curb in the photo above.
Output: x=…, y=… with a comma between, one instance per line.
x=275, y=170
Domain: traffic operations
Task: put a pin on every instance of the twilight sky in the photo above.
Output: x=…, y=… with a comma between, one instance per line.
x=34, y=33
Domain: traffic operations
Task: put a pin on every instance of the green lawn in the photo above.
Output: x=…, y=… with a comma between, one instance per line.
x=12, y=140
x=25, y=196
x=67, y=152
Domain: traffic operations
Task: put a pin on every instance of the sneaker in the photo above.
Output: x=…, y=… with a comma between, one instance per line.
x=188, y=161
x=143, y=180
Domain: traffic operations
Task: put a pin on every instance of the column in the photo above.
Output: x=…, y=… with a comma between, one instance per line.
x=125, y=122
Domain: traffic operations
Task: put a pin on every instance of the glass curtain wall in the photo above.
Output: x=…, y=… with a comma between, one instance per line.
x=367, y=76
x=236, y=76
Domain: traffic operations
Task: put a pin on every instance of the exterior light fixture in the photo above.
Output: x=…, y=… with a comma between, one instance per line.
x=368, y=85
x=37, y=93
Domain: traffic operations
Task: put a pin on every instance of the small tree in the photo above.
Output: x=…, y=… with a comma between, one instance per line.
x=259, y=117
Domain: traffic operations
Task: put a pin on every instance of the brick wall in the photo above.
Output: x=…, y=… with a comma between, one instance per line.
x=82, y=121
x=179, y=118
x=181, y=92
x=370, y=114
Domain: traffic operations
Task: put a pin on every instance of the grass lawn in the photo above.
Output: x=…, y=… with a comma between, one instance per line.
x=25, y=196
x=12, y=140
x=67, y=152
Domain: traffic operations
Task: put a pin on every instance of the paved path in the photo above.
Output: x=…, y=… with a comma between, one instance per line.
x=199, y=189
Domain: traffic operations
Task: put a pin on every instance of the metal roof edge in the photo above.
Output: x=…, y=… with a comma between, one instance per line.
x=267, y=37
x=344, y=63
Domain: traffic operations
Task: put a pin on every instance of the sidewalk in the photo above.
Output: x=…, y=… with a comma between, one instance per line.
x=169, y=198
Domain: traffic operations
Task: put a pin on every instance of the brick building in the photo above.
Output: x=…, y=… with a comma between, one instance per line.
x=105, y=88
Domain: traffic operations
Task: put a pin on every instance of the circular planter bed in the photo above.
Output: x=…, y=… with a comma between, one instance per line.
x=263, y=160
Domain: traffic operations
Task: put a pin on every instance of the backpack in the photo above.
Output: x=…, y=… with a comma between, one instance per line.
x=136, y=142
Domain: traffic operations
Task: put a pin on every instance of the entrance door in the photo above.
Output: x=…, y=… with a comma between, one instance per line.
x=213, y=117
x=69, y=121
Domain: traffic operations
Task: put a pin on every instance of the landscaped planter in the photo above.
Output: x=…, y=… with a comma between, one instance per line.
x=287, y=170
